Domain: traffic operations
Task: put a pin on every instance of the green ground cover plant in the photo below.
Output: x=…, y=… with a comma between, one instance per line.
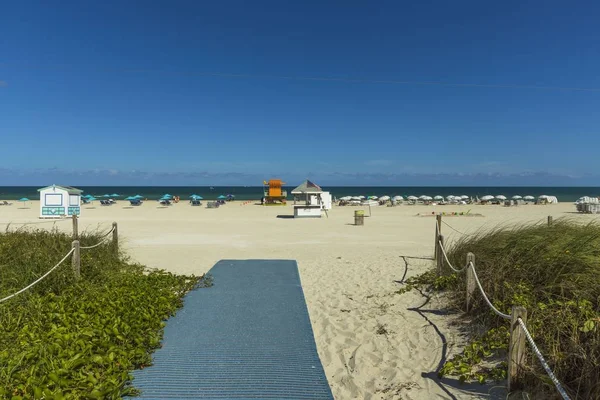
x=68, y=339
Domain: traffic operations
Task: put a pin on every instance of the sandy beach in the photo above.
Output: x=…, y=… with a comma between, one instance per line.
x=371, y=344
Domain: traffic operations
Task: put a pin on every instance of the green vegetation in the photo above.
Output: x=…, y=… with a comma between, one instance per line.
x=64, y=339
x=554, y=272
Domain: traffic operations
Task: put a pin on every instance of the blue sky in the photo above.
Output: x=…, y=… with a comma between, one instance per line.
x=195, y=92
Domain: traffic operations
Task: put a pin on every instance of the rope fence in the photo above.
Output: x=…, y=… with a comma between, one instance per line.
x=39, y=279
x=518, y=317
x=75, y=254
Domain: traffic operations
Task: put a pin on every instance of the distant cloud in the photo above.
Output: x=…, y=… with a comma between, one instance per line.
x=116, y=177
x=379, y=163
x=3, y=83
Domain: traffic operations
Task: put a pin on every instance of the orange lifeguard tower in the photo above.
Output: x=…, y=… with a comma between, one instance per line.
x=274, y=193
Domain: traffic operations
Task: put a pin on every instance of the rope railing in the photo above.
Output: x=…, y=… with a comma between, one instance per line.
x=456, y=230
x=540, y=357
x=441, y=245
x=102, y=240
x=39, y=279
x=517, y=317
x=489, y=303
x=75, y=259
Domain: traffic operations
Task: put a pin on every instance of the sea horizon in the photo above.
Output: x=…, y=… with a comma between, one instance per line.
x=241, y=192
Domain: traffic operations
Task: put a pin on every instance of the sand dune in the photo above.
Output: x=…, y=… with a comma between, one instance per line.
x=372, y=343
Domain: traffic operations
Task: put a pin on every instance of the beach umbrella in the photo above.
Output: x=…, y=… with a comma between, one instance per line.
x=516, y=197
x=194, y=195
x=92, y=198
x=529, y=198
x=346, y=198
x=543, y=197
x=465, y=197
x=384, y=198
x=356, y=198
x=106, y=195
x=24, y=199
x=438, y=197
x=221, y=197
x=487, y=197
x=114, y=195
x=501, y=197
x=397, y=198
x=449, y=197
x=87, y=196
x=412, y=198
x=372, y=197
x=167, y=195
x=137, y=196
x=130, y=198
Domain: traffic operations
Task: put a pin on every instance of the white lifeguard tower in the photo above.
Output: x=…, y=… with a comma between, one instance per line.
x=59, y=201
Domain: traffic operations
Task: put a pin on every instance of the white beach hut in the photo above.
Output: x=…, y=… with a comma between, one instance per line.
x=59, y=201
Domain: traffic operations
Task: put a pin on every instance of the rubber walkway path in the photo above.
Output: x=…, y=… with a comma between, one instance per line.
x=247, y=337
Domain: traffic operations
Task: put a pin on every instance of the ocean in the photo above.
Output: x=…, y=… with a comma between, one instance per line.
x=568, y=194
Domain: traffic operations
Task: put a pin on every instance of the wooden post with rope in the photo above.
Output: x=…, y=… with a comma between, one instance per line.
x=75, y=228
x=76, y=260
x=470, y=281
x=115, y=237
x=438, y=231
x=516, y=349
x=440, y=259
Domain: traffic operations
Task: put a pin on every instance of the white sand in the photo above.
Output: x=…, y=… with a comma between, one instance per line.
x=347, y=273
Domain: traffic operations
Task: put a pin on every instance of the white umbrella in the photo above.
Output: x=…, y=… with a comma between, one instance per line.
x=501, y=197
x=464, y=197
x=346, y=198
x=398, y=198
x=422, y=197
x=372, y=197
x=438, y=197
x=427, y=198
x=412, y=198
x=356, y=198
x=516, y=197
x=529, y=198
x=361, y=197
x=384, y=198
x=449, y=197
x=543, y=197
x=487, y=197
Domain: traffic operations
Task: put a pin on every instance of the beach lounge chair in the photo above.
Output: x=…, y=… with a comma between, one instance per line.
x=104, y=202
x=212, y=204
x=5, y=203
x=196, y=202
x=135, y=202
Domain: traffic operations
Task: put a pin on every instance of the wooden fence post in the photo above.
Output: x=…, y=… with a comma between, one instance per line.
x=516, y=349
x=440, y=260
x=76, y=260
x=75, y=230
x=470, y=280
x=438, y=231
x=549, y=220
x=115, y=237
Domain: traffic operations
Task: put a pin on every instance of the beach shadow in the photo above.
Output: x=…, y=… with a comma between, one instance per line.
x=285, y=216
x=90, y=208
x=128, y=207
x=24, y=208
x=162, y=207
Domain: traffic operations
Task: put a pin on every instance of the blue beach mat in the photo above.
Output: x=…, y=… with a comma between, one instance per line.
x=247, y=337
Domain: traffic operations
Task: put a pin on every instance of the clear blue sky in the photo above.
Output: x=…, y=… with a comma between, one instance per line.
x=192, y=92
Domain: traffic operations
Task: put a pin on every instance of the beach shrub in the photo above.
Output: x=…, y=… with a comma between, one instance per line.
x=552, y=271
x=79, y=339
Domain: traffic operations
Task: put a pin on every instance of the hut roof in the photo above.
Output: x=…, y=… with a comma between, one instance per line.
x=69, y=189
x=307, y=187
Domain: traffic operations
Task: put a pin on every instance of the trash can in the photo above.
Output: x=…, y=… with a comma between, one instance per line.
x=359, y=217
